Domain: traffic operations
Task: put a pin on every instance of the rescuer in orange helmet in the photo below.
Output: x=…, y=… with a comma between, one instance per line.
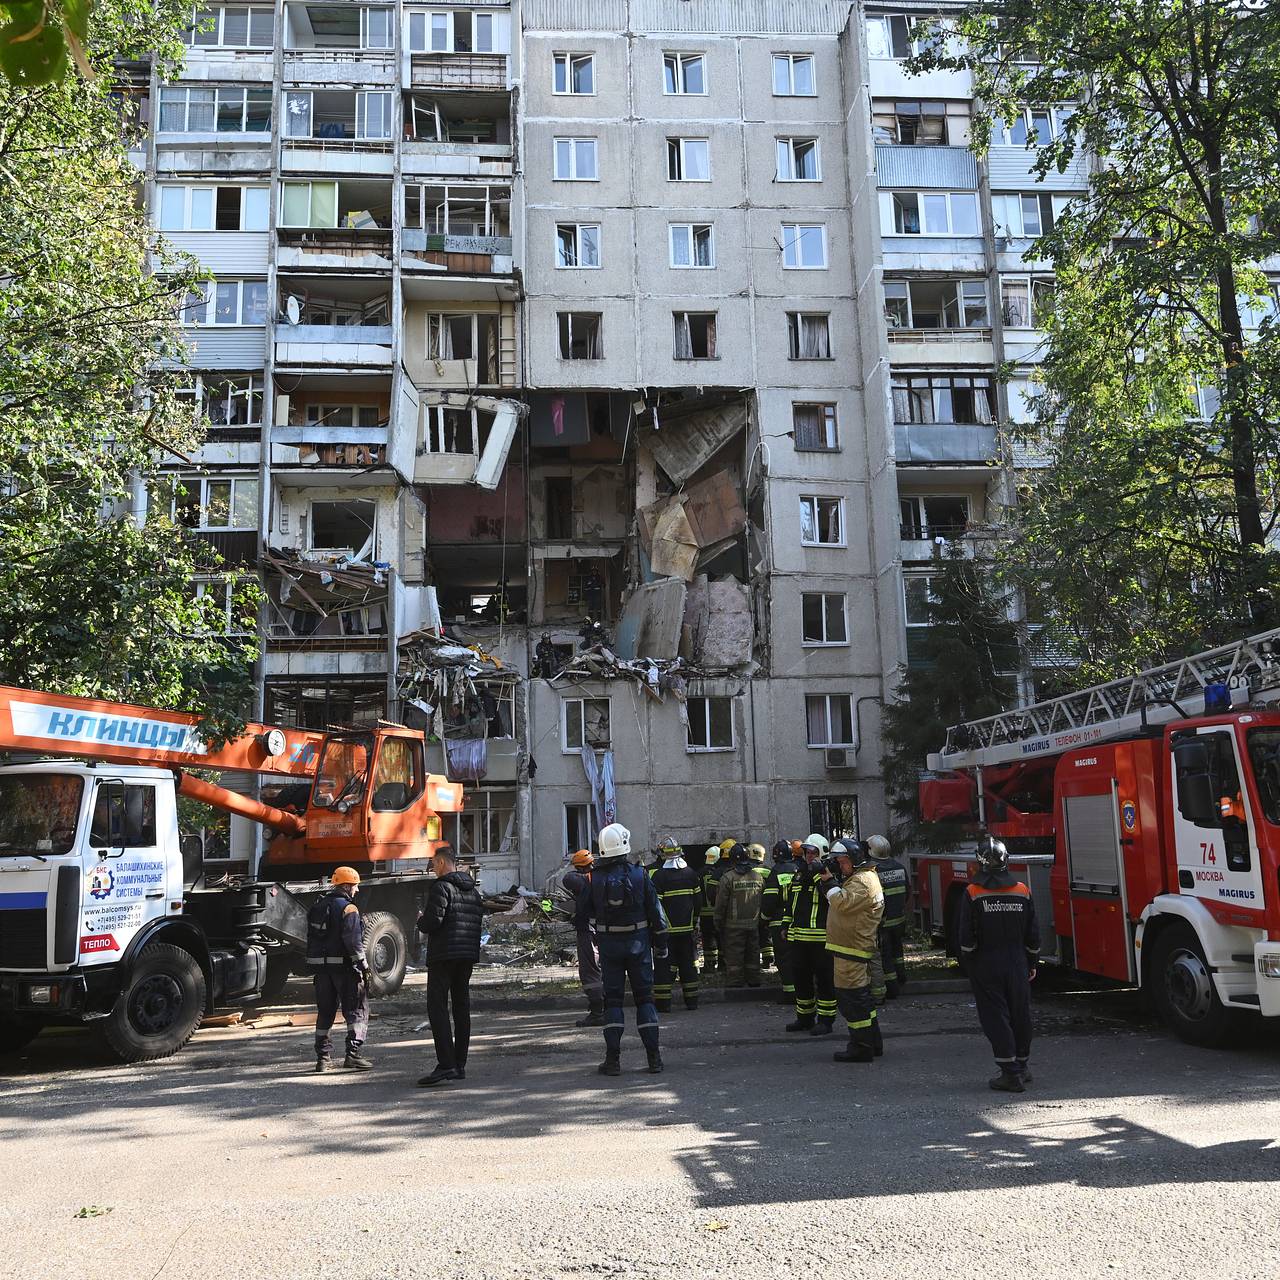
x=577, y=883
x=335, y=955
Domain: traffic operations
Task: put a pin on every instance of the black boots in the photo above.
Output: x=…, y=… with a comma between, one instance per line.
x=1008, y=1082
x=594, y=1016
x=441, y=1075
x=611, y=1066
x=855, y=1053
x=655, y=1062
x=323, y=1063
x=803, y=1022
x=823, y=1027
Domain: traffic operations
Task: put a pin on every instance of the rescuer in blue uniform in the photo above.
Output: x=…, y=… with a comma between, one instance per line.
x=335, y=954
x=679, y=889
x=1000, y=948
x=631, y=930
x=896, y=884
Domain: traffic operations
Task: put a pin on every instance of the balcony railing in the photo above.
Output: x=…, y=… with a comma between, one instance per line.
x=939, y=335
x=953, y=443
x=340, y=144
x=354, y=247
x=458, y=70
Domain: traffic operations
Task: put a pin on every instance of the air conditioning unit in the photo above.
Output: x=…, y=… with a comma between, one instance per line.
x=839, y=759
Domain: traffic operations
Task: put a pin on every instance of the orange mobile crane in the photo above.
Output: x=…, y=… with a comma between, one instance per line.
x=103, y=920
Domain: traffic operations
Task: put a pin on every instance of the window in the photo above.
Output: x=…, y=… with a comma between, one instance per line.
x=1024, y=300
x=937, y=397
x=487, y=825
x=822, y=618
x=398, y=777
x=573, y=73
x=814, y=426
x=308, y=204
x=793, y=75
x=1037, y=125
x=933, y=515
x=218, y=598
x=928, y=213
x=227, y=400
x=227, y=302
x=580, y=335
x=212, y=208
x=804, y=246
x=375, y=28
x=345, y=415
x=577, y=244
x=692, y=244
x=695, y=335
x=447, y=429
x=214, y=110
x=346, y=526
x=463, y=335
x=895, y=36
x=579, y=827
x=684, y=73
x=123, y=815
x=457, y=32
x=918, y=597
x=917, y=123
x=798, y=160
x=837, y=816
x=710, y=724
x=373, y=115
x=689, y=159
x=829, y=719
x=231, y=27
x=575, y=159
x=210, y=502
x=936, y=304
x=808, y=335
x=584, y=722
x=821, y=521
x=1027, y=214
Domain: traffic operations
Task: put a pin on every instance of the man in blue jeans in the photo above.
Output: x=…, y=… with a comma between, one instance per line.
x=631, y=928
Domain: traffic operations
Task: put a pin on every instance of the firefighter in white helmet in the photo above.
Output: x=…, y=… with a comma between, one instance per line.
x=811, y=961
x=631, y=929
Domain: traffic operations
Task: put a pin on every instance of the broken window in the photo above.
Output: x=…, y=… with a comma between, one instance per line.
x=695, y=335
x=486, y=826
x=823, y=618
x=798, y=160
x=218, y=601
x=210, y=502
x=710, y=724
x=936, y=304
x=580, y=335
x=933, y=515
x=227, y=302
x=211, y=208
x=684, y=73
x=804, y=246
x=918, y=597
x=585, y=722
x=814, y=426
x=1027, y=214
x=465, y=335
x=573, y=73
x=344, y=526
x=447, y=429
x=689, y=159
x=345, y=415
x=916, y=123
x=575, y=159
x=889, y=36
x=821, y=521
x=692, y=244
x=837, y=816
x=793, y=75
x=829, y=719
x=317, y=704
x=227, y=400
x=559, y=500
x=1025, y=300
x=577, y=244
x=808, y=335
x=579, y=827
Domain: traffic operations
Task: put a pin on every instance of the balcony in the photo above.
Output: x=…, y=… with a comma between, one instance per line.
x=335, y=344
x=458, y=70
x=326, y=43
x=339, y=66
x=946, y=444
x=940, y=346
x=335, y=248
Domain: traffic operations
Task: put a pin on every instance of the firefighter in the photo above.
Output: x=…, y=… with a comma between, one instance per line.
x=711, y=872
x=855, y=905
x=631, y=929
x=335, y=954
x=756, y=853
x=1000, y=947
x=896, y=884
x=680, y=892
x=576, y=880
x=738, y=919
x=775, y=910
x=811, y=962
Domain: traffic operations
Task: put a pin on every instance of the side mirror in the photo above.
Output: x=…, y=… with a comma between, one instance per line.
x=1197, y=787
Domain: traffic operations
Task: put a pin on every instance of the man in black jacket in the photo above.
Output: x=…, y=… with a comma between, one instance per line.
x=451, y=920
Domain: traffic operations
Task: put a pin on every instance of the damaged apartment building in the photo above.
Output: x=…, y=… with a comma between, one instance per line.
x=524, y=315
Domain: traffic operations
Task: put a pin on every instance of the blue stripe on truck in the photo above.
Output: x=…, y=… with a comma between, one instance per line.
x=23, y=901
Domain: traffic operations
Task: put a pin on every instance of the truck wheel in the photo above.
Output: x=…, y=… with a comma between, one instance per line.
x=387, y=951
x=16, y=1032
x=1182, y=989
x=160, y=1009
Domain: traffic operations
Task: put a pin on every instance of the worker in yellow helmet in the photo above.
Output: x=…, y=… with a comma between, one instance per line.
x=712, y=867
x=756, y=853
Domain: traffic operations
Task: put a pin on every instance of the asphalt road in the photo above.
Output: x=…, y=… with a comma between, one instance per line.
x=755, y=1155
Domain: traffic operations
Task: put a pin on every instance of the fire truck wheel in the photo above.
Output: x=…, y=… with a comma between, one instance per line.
x=16, y=1032
x=160, y=1008
x=387, y=951
x=1182, y=989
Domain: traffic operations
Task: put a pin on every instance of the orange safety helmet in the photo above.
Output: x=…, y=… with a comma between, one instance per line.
x=345, y=875
x=582, y=859
x=796, y=846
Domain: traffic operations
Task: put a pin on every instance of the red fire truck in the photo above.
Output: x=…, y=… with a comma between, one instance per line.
x=1145, y=816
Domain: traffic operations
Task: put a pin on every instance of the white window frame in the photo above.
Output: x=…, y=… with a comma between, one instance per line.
x=382, y=100
x=794, y=236
x=920, y=528
x=573, y=143
x=677, y=62
x=785, y=149
x=826, y=642
x=790, y=60
x=591, y=826
x=827, y=701
x=198, y=392
x=1008, y=211
x=926, y=209
x=830, y=422
x=567, y=61
x=189, y=189
x=682, y=317
x=886, y=23
x=962, y=304
x=1031, y=284
x=681, y=148
x=795, y=326
x=218, y=90
x=569, y=315
x=210, y=290
x=312, y=187
x=565, y=703
x=577, y=228
x=691, y=231
x=913, y=383
x=809, y=502
x=199, y=486
x=910, y=576
x=423, y=22
x=1057, y=116
x=224, y=586
x=370, y=545
x=200, y=12
x=388, y=14
x=693, y=748
x=324, y=414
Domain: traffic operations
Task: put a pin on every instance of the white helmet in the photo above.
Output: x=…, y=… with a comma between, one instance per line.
x=878, y=846
x=615, y=842
x=815, y=841
x=712, y=855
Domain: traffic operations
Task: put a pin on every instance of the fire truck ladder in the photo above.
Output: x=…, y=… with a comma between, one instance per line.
x=1249, y=668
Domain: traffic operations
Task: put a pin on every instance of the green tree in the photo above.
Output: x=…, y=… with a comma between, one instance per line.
x=93, y=601
x=1149, y=533
x=961, y=670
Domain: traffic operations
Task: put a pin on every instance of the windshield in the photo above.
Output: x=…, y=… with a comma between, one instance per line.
x=38, y=813
x=344, y=769
x=1264, y=755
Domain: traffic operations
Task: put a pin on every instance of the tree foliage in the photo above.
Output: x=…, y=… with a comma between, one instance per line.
x=1150, y=531
x=92, y=601
x=962, y=670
